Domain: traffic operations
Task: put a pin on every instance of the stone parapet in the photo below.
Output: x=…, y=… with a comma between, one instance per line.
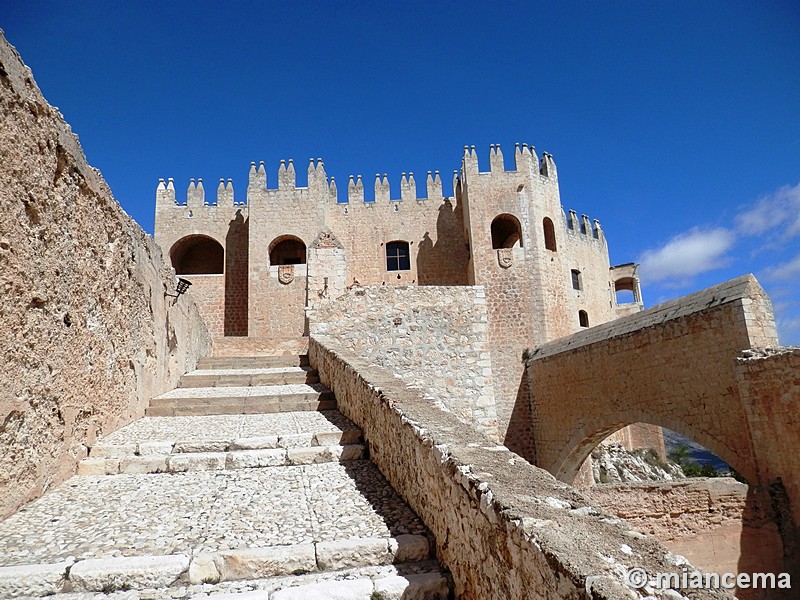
x=503, y=527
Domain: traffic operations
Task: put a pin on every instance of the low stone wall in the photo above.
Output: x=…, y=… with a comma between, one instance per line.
x=88, y=336
x=717, y=523
x=504, y=528
x=433, y=338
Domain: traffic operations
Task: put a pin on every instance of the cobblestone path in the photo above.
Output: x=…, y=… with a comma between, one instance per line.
x=243, y=483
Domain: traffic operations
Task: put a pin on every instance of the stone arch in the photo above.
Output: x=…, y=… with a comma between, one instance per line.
x=197, y=255
x=622, y=287
x=549, y=234
x=506, y=232
x=287, y=250
x=583, y=440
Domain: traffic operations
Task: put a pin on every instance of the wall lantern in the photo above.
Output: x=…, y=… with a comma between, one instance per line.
x=182, y=288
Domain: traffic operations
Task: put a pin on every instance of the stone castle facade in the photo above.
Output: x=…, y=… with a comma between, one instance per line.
x=258, y=265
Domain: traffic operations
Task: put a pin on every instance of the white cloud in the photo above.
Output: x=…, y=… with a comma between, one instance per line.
x=688, y=254
x=778, y=212
x=788, y=271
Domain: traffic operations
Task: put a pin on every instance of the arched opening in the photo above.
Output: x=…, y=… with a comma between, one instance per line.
x=287, y=250
x=625, y=290
x=549, y=234
x=506, y=232
x=669, y=486
x=197, y=255
x=583, y=318
x=398, y=257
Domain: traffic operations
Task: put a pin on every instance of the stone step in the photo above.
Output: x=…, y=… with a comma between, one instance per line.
x=253, y=346
x=249, y=377
x=252, y=362
x=222, y=433
x=100, y=534
x=253, y=399
x=239, y=458
x=419, y=580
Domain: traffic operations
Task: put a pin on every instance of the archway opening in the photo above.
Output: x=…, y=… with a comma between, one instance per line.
x=506, y=232
x=287, y=250
x=625, y=290
x=669, y=486
x=197, y=255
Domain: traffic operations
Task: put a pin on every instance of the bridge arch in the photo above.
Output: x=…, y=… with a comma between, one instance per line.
x=583, y=441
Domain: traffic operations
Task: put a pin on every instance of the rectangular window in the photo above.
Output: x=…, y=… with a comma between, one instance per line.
x=576, y=279
x=398, y=257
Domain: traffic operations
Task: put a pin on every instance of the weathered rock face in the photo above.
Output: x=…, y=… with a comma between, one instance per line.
x=88, y=336
x=611, y=463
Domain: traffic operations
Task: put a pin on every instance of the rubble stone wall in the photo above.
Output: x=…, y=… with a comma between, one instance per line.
x=88, y=336
x=504, y=528
x=433, y=338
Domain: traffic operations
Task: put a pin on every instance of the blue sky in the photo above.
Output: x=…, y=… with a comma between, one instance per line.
x=677, y=124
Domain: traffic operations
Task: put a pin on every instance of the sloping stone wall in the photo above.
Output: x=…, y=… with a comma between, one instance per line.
x=88, y=336
x=433, y=338
x=503, y=527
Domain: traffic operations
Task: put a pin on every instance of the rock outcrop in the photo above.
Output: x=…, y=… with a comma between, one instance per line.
x=88, y=333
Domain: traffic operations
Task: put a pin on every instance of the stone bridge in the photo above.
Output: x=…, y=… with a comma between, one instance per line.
x=679, y=365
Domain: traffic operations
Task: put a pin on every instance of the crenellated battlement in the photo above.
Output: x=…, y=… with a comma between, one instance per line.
x=525, y=161
x=195, y=195
x=583, y=226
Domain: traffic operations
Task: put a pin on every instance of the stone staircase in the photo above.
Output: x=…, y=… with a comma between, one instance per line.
x=244, y=483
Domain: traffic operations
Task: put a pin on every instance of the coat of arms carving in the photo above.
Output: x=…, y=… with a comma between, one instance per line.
x=286, y=274
x=505, y=256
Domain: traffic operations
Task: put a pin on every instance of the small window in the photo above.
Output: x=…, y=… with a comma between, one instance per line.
x=583, y=318
x=398, y=257
x=576, y=279
x=549, y=234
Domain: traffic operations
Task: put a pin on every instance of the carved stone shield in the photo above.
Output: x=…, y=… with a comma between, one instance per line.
x=505, y=257
x=286, y=274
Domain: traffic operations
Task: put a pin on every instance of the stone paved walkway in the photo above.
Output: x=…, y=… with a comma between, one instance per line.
x=316, y=524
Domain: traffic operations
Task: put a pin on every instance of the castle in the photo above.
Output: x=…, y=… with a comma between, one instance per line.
x=491, y=312
x=257, y=267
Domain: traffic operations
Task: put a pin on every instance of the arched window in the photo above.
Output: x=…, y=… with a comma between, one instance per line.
x=506, y=232
x=549, y=234
x=287, y=250
x=583, y=318
x=398, y=257
x=197, y=255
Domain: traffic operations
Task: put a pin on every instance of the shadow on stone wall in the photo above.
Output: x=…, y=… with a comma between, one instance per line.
x=519, y=435
x=444, y=262
x=236, y=274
